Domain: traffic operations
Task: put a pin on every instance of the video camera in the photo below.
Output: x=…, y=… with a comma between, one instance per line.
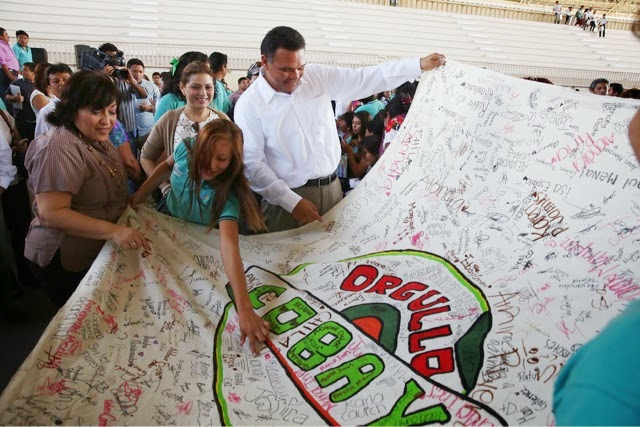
x=95, y=60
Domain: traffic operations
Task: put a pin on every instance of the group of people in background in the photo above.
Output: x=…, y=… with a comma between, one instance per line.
x=366, y=127
x=77, y=147
x=602, y=86
x=585, y=18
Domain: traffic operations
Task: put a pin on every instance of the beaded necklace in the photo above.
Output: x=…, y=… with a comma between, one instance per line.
x=115, y=172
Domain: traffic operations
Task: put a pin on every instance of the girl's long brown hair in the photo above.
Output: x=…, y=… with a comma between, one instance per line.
x=40, y=79
x=232, y=178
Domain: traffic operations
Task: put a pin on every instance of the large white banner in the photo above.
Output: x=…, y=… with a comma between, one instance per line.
x=498, y=233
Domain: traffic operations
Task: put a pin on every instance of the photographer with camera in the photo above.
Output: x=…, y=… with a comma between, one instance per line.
x=129, y=89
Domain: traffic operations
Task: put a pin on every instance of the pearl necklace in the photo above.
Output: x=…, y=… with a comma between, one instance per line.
x=115, y=172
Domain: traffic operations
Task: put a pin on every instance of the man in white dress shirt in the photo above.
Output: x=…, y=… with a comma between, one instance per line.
x=291, y=145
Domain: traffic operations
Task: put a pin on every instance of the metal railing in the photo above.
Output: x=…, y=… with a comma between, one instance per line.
x=507, y=10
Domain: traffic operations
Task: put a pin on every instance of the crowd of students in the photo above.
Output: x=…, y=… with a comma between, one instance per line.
x=77, y=147
x=366, y=127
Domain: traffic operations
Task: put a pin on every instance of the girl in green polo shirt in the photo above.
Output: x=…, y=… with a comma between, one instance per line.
x=209, y=187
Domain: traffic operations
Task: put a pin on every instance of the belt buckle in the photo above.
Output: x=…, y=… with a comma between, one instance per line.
x=321, y=180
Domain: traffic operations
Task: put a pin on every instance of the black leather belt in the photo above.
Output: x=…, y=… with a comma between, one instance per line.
x=321, y=182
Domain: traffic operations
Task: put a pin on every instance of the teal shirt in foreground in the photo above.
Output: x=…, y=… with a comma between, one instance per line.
x=373, y=107
x=179, y=199
x=600, y=383
x=167, y=103
x=170, y=102
x=221, y=101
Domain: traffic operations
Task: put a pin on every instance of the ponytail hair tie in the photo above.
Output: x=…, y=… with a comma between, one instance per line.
x=174, y=65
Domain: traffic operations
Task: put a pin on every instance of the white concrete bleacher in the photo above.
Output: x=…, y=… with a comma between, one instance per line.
x=565, y=54
x=620, y=14
x=341, y=33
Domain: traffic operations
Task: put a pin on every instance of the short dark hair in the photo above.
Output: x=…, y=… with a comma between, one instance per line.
x=539, y=80
x=2, y=30
x=372, y=144
x=399, y=104
x=616, y=88
x=631, y=93
x=30, y=66
x=376, y=125
x=107, y=47
x=594, y=83
x=85, y=88
x=134, y=61
x=21, y=33
x=58, y=68
x=155, y=74
x=241, y=79
x=217, y=60
x=281, y=38
x=348, y=119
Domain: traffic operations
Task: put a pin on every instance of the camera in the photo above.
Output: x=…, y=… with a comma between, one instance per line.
x=95, y=60
x=121, y=73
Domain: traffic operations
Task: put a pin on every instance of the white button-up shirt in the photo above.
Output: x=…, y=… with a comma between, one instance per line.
x=292, y=138
x=42, y=124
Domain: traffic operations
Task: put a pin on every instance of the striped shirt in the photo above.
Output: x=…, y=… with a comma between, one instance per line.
x=128, y=104
x=59, y=161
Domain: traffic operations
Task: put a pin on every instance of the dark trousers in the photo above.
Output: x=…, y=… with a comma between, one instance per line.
x=4, y=85
x=601, y=31
x=17, y=216
x=26, y=129
x=9, y=284
x=58, y=283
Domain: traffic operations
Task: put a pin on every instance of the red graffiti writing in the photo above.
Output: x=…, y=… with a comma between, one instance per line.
x=109, y=320
x=421, y=302
x=51, y=388
x=106, y=416
x=184, y=408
